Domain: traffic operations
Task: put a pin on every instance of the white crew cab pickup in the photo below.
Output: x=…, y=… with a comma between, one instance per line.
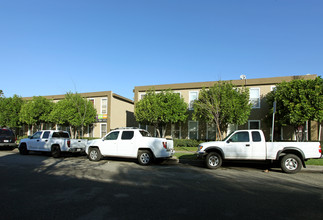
x=53, y=141
x=251, y=145
x=130, y=143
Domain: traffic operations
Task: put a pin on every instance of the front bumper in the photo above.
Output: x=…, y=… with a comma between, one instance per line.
x=200, y=154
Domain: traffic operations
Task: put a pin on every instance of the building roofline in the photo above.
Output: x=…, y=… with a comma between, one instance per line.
x=87, y=95
x=242, y=82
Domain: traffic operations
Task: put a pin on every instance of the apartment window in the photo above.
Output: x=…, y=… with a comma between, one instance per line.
x=255, y=97
x=211, y=131
x=92, y=101
x=176, y=131
x=254, y=124
x=142, y=96
x=193, y=96
x=104, y=106
x=103, y=130
x=90, y=130
x=193, y=129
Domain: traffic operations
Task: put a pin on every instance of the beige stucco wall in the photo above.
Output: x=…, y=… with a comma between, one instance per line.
x=120, y=113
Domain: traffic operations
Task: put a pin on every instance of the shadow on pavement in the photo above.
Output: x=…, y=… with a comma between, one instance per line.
x=73, y=188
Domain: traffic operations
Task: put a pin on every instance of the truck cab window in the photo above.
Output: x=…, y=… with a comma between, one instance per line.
x=240, y=137
x=36, y=135
x=256, y=136
x=112, y=136
x=127, y=135
x=46, y=134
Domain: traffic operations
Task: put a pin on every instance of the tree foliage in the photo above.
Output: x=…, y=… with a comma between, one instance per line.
x=74, y=111
x=160, y=109
x=222, y=104
x=9, y=111
x=297, y=101
x=36, y=111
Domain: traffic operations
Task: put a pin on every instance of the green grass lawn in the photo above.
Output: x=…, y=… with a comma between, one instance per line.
x=318, y=162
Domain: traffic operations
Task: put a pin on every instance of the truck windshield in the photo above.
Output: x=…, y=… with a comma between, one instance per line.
x=228, y=136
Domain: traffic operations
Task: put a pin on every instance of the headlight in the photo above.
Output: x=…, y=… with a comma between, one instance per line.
x=199, y=147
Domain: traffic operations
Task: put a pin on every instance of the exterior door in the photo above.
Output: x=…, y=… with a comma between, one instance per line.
x=109, y=144
x=258, y=146
x=43, y=144
x=33, y=143
x=126, y=144
x=238, y=146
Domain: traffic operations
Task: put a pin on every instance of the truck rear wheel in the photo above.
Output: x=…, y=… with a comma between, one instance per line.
x=291, y=163
x=213, y=160
x=144, y=157
x=56, y=151
x=94, y=154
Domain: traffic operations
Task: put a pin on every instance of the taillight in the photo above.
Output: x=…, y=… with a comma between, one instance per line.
x=320, y=149
x=165, y=145
x=69, y=143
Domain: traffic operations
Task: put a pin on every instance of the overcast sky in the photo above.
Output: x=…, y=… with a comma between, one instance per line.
x=50, y=47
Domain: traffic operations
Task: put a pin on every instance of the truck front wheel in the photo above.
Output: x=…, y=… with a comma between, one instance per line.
x=291, y=163
x=94, y=154
x=213, y=160
x=23, y=149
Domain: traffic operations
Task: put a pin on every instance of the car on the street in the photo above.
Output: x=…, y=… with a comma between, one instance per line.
x=7, y=139
x=53, y=141
x=251, y=145
x=130, y=143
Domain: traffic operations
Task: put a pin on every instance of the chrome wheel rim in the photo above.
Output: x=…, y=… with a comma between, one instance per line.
x=291, y=164
x=213, y=161
x=144, y=158
x=93, y=155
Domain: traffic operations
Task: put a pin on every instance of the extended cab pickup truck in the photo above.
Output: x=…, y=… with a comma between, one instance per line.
x=251, y=145
x=51, y=141
x=130, y=143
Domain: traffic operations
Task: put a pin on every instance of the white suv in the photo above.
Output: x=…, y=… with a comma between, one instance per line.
x=130, y=143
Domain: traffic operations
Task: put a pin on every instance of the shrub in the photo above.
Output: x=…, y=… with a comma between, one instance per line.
x=186, y=143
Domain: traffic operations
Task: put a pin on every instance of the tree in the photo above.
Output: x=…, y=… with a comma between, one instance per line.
x=297, y=101
x=160, y=109
x=222, y=104
x=74, y=111
x=9, y=111
x=36, y=111
x=1, y=93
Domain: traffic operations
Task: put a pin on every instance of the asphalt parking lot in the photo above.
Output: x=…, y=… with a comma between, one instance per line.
x=40, y=187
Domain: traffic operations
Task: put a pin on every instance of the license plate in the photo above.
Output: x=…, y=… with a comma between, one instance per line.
x=6, y=141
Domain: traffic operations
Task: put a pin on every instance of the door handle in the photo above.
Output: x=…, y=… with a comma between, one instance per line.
x=37, y=140
x=247, y=145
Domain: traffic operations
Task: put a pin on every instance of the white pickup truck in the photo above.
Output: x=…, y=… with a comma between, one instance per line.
x=251, y=145
x=53, y=141
x=130, y=143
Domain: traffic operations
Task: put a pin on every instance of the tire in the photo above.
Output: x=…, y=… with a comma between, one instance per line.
x=213, y=160
x=291, y=164
x=144, y=157
x=23, y=149
x=56, y=151
x=94, y=154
